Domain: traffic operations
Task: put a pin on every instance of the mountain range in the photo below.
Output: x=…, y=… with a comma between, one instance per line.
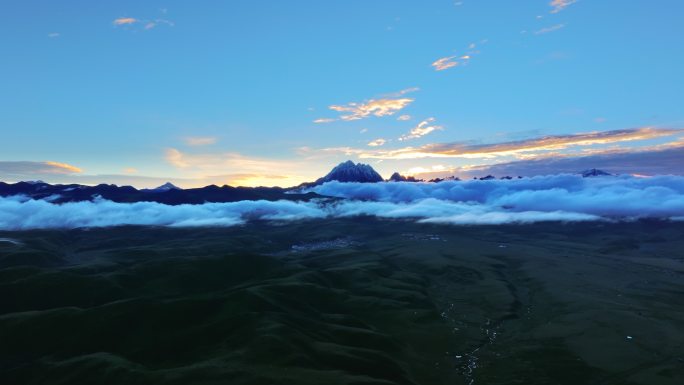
x=163, y=194
x=172, y=195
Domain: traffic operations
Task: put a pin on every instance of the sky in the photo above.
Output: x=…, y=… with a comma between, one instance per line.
x=278, y=92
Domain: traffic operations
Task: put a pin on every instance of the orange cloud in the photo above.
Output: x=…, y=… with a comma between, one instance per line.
x=63, y=168
x=638, y=162
x=559, y=5
x=125, y=21
x=379, y=108
x=29, y=170
x=387, y=105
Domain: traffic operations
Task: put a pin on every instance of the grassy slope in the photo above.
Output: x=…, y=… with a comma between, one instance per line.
x=400, y=303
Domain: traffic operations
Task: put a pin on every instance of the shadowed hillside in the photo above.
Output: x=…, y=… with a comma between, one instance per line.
x=357, y=301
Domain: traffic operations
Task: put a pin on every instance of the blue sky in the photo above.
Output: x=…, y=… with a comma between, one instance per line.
x=134, y=92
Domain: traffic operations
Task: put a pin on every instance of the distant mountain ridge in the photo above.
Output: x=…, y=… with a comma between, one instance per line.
x=165, y=194
x=167, y=186
x=594, y=172
x=170, y=194
x=396, y=177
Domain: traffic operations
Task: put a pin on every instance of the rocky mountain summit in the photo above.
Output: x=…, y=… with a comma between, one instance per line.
x=396, y=177
x=351, y=172
x=594, y=172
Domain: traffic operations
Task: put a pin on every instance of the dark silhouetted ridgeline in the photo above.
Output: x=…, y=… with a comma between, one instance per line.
x=127, y=194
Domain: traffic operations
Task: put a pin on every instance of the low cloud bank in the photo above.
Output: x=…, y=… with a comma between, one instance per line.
x=18, y=213
x=548, y=198
x=620, y=196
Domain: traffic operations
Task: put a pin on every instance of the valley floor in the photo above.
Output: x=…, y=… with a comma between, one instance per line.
x=345, y=301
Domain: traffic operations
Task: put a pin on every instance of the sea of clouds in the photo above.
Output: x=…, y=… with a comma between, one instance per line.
x=528, y=200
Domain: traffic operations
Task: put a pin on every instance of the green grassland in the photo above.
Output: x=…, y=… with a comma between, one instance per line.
x=344, y=301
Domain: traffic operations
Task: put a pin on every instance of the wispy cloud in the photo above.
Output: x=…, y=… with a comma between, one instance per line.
x=549, y=29
x=447, y=62
x=559, y=5
x=385, y=106
x=423, y=128
x=145, y=23
x=175, y=158
x=63, y=168
x=125, y=21
x=53, y=35
x=522, y=148
x=200, y=140
x=324, y=120
x=377, y=142
x=404, y=117
x=149, y=24
x=401, y=92
x=379, y=108
x=27, y=170
x=373, y=107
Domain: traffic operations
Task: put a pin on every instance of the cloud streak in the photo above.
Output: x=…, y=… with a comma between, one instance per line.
x=125, y=21
x=20, y=170
x=146, y=24
x=549, y=29
x=324, y=120
x=649, y=161
x=559, y=5
x=520, y=148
